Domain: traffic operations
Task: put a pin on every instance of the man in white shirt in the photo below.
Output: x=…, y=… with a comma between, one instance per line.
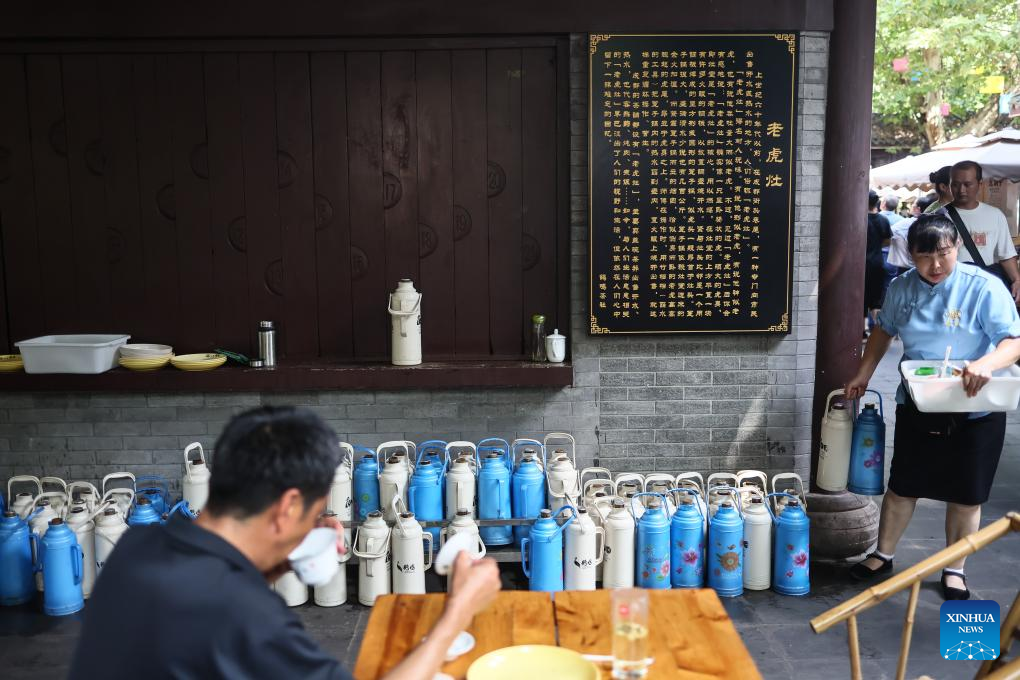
x=987, y=225
x=889, y=205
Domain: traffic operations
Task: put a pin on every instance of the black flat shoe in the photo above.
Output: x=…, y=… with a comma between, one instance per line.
x=949, y=593
x=861, y=573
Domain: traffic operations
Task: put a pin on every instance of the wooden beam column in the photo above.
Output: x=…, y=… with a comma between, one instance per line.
x=844, y=188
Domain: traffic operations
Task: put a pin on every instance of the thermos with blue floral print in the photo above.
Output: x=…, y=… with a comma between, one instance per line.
x=725, y=551
x=687, y=544
x=867, y=451
x=653, y=536
x=790, y=554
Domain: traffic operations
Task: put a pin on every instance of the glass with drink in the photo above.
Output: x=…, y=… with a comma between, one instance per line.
x=630, y=633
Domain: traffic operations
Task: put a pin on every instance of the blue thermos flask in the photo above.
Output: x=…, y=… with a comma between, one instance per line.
x=527, y=492
x=60, y=560
x=791, y=551
x=653, y=535
x=725, y=554
x=425, y=495
x=542, y=551
x=687, y=544
x=17, y=585
x=366, y=483
x=867, y=451
x=494, y=498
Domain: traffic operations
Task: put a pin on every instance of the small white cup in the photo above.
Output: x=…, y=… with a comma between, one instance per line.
x=555, y=347
x=315, y=559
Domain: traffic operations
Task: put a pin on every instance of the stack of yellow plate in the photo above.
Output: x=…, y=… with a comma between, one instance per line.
x=145, y=364
x=198, y=362
x=10, y=363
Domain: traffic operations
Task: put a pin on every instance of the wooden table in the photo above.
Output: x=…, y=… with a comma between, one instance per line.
x=691, y=635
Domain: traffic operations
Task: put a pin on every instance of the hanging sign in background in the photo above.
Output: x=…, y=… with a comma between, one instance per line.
x=691, y=159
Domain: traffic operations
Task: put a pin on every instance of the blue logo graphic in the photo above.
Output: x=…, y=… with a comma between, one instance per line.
x=969, y=630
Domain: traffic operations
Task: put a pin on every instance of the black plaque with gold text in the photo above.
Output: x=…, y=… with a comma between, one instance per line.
x=691, y=182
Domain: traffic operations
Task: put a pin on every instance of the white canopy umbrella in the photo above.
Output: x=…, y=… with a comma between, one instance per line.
x=998, y=153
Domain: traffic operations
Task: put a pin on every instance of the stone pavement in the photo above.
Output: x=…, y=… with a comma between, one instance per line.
x=774, y=628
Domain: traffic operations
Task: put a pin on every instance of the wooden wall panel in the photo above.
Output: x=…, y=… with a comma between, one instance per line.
x=227, y=219
x=504, y=191
x=435, y=202
x=258, y=129
x=17, y=205
x=297, y=216
x=124, y=244
x=400, y=168
x=191, y=188
x=332, y=217
x=539, y=175
x=86, y=156
x=52, y=194
x=470, y=203
x=368, y=244
x=183, y=197
x=161, y=317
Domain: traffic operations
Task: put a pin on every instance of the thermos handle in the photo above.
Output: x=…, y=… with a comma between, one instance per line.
x=600, y=548
x=33, y=542
x=567, y=437
x=525, y=542
x=828, y=402
x=22, y=478
x=187, y=457
x=573, y=516
x=775, y=517
x=427, y=537
x=881, y=410
x=481, y=553
x=500, y=486
x=397, y=312
x=77, y=558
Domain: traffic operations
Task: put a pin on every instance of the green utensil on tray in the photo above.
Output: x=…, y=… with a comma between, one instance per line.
x=233, y=356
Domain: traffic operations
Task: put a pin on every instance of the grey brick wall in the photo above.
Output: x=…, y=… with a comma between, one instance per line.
x=675, y=404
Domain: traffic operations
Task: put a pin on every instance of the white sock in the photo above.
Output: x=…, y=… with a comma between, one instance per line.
x=954, y=572
x=887, y=558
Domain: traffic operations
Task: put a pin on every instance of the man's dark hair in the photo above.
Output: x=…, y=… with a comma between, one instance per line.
x=930, y=232
x=891, y=202
x=941, y=176
x=925, y=201
x=872, y=199
x=263, y=452
x=968, y=165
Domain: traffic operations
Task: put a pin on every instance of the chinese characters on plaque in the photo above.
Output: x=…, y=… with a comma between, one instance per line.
x=691, y=182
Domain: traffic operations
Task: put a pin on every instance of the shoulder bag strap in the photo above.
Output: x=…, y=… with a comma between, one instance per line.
x=968, y=242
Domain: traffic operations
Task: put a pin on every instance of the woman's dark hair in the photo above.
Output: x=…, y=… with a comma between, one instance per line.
x=263, y=452
x=930, y=232
x=941, y=176
x=925, y=201
x=872, y=199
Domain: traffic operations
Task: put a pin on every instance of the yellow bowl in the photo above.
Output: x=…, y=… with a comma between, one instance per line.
x=11, y=362
x=153, y=364
x=532, y=661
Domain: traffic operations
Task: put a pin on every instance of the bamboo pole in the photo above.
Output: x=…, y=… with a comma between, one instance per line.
x=908, y=631
x=872, y=596
x=1009, y=629
x=855, y=649
x=1010, y=671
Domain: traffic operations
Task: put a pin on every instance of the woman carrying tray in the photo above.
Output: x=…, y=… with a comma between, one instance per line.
x=949, y=457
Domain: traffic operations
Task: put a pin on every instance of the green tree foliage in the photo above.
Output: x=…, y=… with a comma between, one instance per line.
x=951, y=46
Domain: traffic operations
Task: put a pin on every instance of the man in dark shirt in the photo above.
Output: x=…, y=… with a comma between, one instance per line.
x=191, y=600
x=874, y=267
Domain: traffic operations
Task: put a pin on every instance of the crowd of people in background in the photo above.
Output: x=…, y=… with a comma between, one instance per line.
x=983, y=229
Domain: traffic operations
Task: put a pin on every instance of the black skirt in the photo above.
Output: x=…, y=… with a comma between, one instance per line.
x=945, y=456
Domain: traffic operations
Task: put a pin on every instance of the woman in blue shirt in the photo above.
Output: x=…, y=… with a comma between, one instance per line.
x=946, y=457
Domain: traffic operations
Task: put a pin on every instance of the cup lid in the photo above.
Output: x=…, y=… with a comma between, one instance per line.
x=555, y=334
